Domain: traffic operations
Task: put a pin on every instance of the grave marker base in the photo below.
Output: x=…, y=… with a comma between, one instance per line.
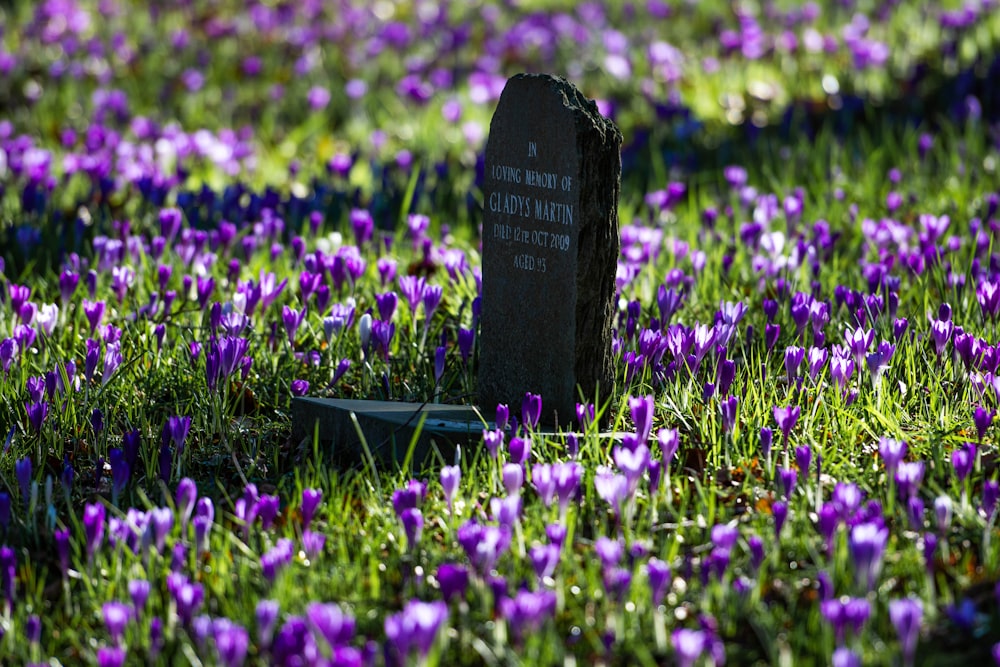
x=389, y=427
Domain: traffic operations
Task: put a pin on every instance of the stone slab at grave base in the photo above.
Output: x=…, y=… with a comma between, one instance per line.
x=388, y=428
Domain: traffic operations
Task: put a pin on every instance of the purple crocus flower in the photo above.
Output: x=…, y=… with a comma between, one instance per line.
x=544, y=482
x=756, y=545
x=841, y=370
x=899, y=327
x=669, y=441
x=502, y=417
x=982, y=418
x=941, y=333
x=313, y=543
x=362, y=224
x=991, y=493
x=116, y=617
x=267, y=509
x=527, y=611
x=37, y=412
x=729, y=408
x=413, y=525
x=204, y=516
x=188, y=596
x=493, y=440
x=793, y=359
x=413, y=288
x=780, y=512
x=93, y=527
x=231, y=642
x=138, y=591
x=483, y=544
x=544, y=559
x=451, y=477
x=466, y=340
x=641, y=408
x=688, y=645
x=329, y=622
x=988, y=295
x=659, y=576
x=726, y=375
x=416, y=627
x=519, y=450
x=786, y=418
x=878, y=361
x=266, y=615
x=609, y=551
x=110, y=656
x=513, y=477
x=8, y=350
x=386, y=304
x=803, y=457
x=653, y=470
x=845, y=657
x=766, y=439
x=382, y=334
x=185, y=498
x=176, y=431
x=771, y=334
x=431, y=298
x=412, y=495
x=845, y=613
x=846, y=498
x=8, y=575
x=867, y=543
x=276, y=559
x=909, y=475
x=963, y=459
x=858, y=341
x=611, y=487
x=943, y=510
x=724, y=536
x=439, y=359
x=454, y=580
x=567, y=481
x=892, y=452
x=531, y=410
x=93, y=311
x=112, y=360
x=506, y=511
x=120, y=473
x=788, y=479
x=23, y=472
x=915, y=512
x=292, y=319
x=632, y=463
x=905, y=615
x=817, y=357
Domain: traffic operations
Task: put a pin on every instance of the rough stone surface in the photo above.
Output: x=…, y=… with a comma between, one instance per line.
x=550, y=247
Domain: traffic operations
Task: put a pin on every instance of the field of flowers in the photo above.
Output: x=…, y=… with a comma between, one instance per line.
x=208, y=207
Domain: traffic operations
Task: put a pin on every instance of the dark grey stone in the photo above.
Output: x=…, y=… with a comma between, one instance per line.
x=388, y=428
x=550, y=247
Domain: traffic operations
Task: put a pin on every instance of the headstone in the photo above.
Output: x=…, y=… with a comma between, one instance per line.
x=550, y=248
